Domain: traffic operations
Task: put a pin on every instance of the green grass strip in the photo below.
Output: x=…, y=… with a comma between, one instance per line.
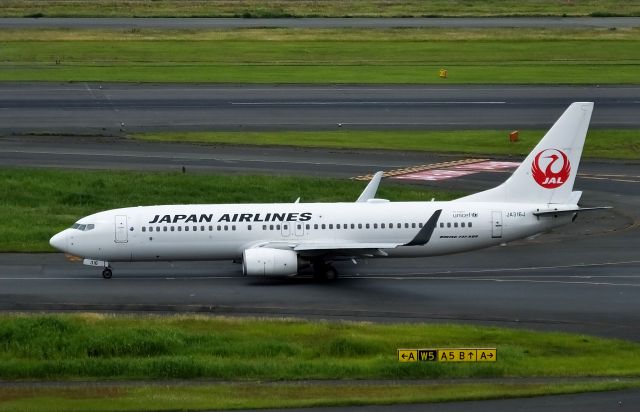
x=51, y=200
x=313, y=8
x=259, y=395
x=605, y=144
x=291, y=60
x=93, y=346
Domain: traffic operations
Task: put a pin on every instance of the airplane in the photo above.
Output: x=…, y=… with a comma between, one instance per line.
x=285, y=239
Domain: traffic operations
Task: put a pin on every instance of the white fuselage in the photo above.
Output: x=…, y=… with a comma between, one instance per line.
x=217, y=232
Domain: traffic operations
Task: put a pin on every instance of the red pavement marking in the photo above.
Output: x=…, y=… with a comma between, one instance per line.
x=459, y=171
x=488, y=166
x=436, y=174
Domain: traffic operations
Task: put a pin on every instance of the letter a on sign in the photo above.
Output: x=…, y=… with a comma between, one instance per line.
x=407, y=355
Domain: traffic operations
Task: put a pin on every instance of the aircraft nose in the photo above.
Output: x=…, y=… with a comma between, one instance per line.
x=59, y=241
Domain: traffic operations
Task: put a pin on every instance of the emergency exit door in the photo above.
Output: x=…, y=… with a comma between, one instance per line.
x=496, y=224
x=121, y=229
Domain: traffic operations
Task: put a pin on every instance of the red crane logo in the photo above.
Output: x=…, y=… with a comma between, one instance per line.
x=556, y=170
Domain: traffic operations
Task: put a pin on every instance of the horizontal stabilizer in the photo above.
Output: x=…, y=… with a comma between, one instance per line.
x=568, y=211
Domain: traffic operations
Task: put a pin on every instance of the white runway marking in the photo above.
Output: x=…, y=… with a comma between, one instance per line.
x=352, y=103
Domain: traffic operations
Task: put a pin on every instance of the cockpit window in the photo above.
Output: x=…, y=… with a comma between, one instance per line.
x=84, y=228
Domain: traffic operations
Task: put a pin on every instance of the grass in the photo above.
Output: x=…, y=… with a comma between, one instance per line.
x=93, y=346
x=609, y=144
x=259, y=395
x=312, y=8
x=51, y=200
x=317, y=56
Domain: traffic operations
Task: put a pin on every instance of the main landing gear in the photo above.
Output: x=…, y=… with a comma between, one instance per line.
x=324, y=271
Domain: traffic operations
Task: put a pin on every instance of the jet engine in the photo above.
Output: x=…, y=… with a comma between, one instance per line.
x=269, y=262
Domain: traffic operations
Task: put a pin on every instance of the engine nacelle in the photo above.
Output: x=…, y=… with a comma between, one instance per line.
x=269, y=262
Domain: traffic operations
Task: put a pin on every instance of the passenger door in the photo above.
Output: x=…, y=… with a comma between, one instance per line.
x=121, y=229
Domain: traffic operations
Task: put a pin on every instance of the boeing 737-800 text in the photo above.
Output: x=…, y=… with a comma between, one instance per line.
x=283, y=239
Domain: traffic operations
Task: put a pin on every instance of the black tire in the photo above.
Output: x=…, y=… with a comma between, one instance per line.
x=107, y=273
x=330, y=273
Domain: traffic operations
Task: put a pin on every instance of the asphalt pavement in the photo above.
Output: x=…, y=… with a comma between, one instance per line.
x=117, y=109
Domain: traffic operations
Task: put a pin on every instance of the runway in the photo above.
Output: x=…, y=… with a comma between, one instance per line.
x=324, y=23
x=117, y=109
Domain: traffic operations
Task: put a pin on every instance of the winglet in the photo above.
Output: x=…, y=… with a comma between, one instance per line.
x=425, y=233
x=369, y=192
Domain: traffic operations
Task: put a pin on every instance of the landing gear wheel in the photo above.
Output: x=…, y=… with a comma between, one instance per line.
x=107, y=273
x=322, y=271
x=330, y=273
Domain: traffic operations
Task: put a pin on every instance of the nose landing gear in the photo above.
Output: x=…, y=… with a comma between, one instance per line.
x=107, y=273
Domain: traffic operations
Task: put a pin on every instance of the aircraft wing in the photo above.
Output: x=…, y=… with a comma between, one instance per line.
x=344, y=246
x=349, y=247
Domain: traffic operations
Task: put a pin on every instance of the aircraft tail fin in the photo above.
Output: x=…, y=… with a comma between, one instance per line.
x=549, y=171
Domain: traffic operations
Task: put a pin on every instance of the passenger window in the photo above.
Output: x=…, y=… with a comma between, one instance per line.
x=158, y=229
x=382, y=226
x=164, y=229
x=462, y=224
x=324, y=226
x=455, y=224
x=299, y=227
x=186, y=228
x=144, y=228
x=179, y=228
x=277, y=227
x=420, y=225
x=202, y=228
x=210, y=228
x=448, y=224
x=330, y=225
x=469, y=224
x=226, y=228
x=233, y=227
x=173, y=229
x=406, y=226
x=285, y=227
x=264, y=227
x=248, y=227
x=441, y=224
x=195, y=228
x=375, y=225
x=308, y=226
x=390, y=225
x=359, y=225
x=353, y=226
x=315, y=226
x=270, y=227
x=366, y=225
x=413, y=225
x=219, y=228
